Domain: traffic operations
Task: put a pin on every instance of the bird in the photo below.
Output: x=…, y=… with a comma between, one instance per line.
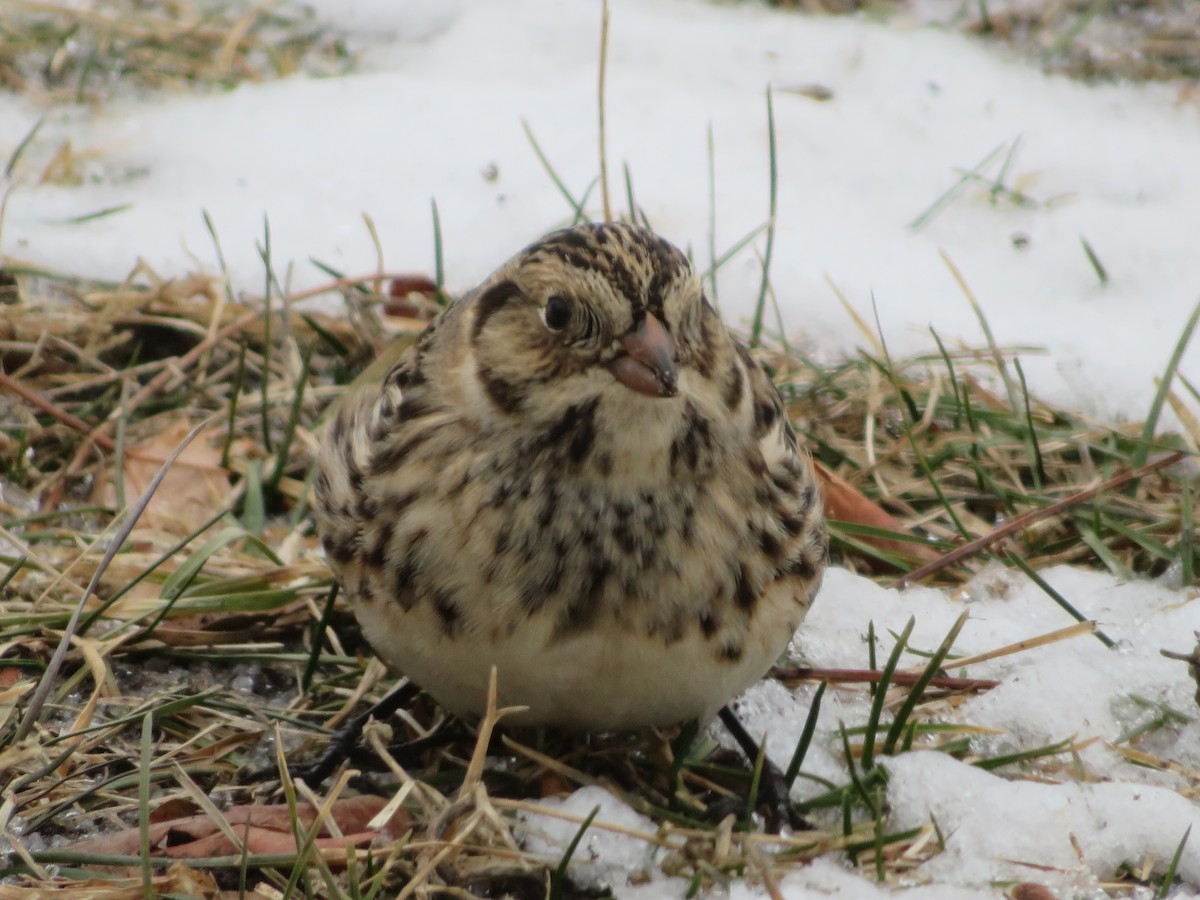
x=578, y=476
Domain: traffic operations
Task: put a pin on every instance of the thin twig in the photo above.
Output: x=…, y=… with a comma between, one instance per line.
x=873, y=676
x=33, y=398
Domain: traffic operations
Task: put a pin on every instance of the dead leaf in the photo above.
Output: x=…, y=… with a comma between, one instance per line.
x=552, y=784
x=845, y=502
x=403, y=285
x=180, y=880
x=412, y=298
x=818, y=92
x=62, y=168
x=195, y=488
x=265, y=828
x=173, y=808
x=1028, y=890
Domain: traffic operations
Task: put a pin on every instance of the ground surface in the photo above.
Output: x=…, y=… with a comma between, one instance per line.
x=916, y=164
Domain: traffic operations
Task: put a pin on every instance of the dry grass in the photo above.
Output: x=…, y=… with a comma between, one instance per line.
x=1092, y=40
x=91, y=51
x=1097, y=40
x=211, y=642
x=938, y=442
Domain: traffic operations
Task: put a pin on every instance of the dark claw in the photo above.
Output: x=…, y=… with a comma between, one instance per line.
x=774, y=800
x=341, y=743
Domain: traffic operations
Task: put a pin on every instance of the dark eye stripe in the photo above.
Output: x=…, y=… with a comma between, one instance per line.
x=492, y=301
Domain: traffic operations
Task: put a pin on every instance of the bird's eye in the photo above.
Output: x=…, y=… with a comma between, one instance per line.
x=557, y=313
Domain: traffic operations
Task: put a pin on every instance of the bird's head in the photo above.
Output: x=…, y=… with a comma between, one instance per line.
x=592, y=310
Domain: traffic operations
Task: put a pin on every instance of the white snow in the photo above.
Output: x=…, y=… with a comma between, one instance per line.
x=605, y=856
x=1000, y=829
x=1070, y=826
x=1069, y=835
x=436, y=111
x=445, y=87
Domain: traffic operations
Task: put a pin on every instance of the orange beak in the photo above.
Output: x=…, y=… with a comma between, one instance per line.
x=648, y=363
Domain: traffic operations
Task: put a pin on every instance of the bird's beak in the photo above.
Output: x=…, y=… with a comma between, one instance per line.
x=648, y=363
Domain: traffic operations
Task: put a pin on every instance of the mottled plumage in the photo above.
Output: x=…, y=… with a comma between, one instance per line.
x=576, y=475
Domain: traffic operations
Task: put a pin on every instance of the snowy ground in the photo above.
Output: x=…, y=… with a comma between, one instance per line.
x=436, y=112
x=446, y=85
x=996, y=830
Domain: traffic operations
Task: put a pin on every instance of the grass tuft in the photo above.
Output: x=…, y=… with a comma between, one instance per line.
x=222, y=636
x=241, y=591
x=86, y=53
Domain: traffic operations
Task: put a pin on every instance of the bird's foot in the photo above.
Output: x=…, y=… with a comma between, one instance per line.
x=341, y=743
x=772, y=800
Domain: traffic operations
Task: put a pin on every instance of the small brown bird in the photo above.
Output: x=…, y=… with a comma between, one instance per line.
x=577, y=476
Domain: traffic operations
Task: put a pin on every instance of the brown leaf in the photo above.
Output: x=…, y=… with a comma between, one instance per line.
x=552, y=784
x=194, y=489
x=63, y=167
x=174, y=808
x=403, y=285
x=847, y=503
x=266, y=828
x=1028, y=890
x=257, y=840
x=411, y=297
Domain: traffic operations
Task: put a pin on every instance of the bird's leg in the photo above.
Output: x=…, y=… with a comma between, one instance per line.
x=343, y=740
x=773, y=790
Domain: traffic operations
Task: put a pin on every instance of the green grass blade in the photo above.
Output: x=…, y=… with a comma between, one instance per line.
x=96, y=214
x=806, y=736
x=254, y=501
x=918, y=690
x=22, y=145
x=235, y=394
x=318, y=638
x=576, y=206
x=756, y=774
x=1008, y=759
x=1169, y=875
x=1038, y=466
x=773, y=206
x=1164, y=386
x=293, y=420
x=558, y=877
x=221, y=264
x=169, y=554
x=265, y=254
x=16, y=567
x=1188, y=550
x=439, y=260
x=998, y=186
x=856, y=781
x=147, y=749
x=885, y=679
x=712, y=220
x=1097, y=266
x=1058, y=598
x=944, y=200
